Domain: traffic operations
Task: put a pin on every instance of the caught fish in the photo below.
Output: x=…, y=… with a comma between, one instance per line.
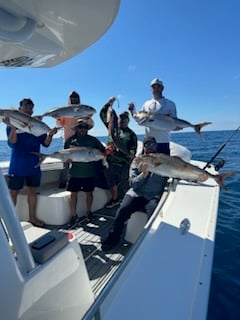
x=174, y=167
x=24, y=122
x=74, y=154
x=112, y=120
x=76, y=111
x=165, y=122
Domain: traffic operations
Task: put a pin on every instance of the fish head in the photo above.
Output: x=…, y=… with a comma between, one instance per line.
x=141, y=117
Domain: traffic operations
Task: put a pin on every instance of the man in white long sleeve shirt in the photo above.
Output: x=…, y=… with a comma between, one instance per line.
x=158, y=105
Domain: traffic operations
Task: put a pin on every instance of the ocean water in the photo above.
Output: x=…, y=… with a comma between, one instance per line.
x=224, y=300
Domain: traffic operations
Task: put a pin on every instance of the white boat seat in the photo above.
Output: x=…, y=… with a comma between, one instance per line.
x=135, y=226
x=53, y=204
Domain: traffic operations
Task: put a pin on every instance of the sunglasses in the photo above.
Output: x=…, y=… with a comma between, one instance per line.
x=149, y=144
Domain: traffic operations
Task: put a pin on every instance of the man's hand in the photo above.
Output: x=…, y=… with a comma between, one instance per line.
x=131, y=108
x=7, y=121
x=144, y=169
x=52, y=132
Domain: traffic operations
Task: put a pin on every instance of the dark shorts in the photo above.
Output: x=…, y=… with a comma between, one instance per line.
x=116, y=174
x=17, y=182
x=163, y=148
x=81, y=184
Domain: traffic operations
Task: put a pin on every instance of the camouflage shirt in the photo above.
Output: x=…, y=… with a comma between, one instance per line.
x=127, y=137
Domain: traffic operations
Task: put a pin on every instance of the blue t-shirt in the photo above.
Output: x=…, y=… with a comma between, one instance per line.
x=23, y=162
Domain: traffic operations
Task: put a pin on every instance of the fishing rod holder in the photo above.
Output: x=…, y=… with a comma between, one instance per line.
x=219, y=165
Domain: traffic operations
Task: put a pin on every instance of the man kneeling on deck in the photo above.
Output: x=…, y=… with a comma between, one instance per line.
x=146, y=188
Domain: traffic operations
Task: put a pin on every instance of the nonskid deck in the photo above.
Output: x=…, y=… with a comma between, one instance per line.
x=100, y=265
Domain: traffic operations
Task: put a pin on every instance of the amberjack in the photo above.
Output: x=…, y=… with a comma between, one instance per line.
x=76, y=111
x=165, y=122
x=174, y=167
x=74, y=154
x=24, y=122
x=113, y=129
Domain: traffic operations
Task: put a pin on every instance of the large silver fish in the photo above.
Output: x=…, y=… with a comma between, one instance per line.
x=74, y=154
x=165, y=122
x=174, y=167
x=113, y=129
x=76, y=111
x=24, y=122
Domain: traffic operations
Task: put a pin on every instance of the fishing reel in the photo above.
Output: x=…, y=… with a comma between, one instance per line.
x=219, y=165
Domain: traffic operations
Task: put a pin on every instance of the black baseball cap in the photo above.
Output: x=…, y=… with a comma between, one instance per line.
x=149, y=139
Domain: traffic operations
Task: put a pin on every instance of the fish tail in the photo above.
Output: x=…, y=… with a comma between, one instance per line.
x=41, y=157
x=199, y=126
x=105, y=163
x=221, y=177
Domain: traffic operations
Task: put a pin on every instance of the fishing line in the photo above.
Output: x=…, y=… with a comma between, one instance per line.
x=220, y=149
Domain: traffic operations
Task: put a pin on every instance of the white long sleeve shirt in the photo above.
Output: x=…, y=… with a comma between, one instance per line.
x=162, y=106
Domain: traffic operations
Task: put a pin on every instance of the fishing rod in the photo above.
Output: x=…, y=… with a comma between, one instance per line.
x=220, y=149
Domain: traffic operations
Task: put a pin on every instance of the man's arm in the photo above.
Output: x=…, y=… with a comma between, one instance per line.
x=137, y=176
x=49, y=137
x=11, y=131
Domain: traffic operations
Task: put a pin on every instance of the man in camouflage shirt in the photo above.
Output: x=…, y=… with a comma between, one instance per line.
x=120, y=159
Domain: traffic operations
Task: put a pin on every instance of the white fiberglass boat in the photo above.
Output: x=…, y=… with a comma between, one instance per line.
x=161, y=269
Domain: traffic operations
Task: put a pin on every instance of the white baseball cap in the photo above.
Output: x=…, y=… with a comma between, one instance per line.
x=156, y=81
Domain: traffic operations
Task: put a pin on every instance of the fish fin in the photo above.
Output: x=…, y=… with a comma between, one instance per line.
x=38, y=117
x=105, y=163
x=41, y=157
x=222, y=176
x=199, y=126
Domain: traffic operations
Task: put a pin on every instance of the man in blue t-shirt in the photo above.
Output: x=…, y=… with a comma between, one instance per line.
x=23, y=166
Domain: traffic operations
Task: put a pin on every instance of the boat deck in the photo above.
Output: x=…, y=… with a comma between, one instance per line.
x=100, y=265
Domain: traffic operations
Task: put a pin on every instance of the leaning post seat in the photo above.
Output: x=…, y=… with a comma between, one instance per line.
x=135, y=226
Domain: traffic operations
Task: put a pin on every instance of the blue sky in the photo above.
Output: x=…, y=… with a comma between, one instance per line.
x=193, y=46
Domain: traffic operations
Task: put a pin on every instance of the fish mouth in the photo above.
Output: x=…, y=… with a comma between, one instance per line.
x=142, y=120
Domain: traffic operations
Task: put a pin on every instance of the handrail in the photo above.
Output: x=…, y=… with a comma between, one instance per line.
x=15, y=28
